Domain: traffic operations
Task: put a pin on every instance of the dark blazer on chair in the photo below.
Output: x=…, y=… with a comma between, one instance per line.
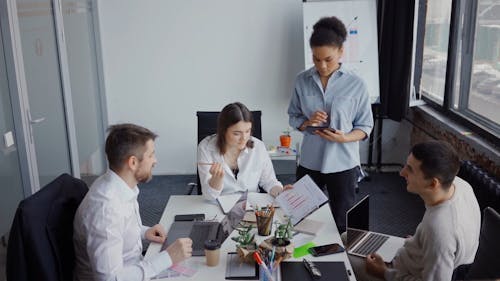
x=41, y=237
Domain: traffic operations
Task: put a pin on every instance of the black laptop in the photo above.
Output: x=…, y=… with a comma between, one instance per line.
x=199, y=232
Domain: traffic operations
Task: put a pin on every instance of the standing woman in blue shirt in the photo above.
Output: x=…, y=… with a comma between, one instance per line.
x=330, y=95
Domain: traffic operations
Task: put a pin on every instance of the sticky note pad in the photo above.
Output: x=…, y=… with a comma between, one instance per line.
x=302, y=250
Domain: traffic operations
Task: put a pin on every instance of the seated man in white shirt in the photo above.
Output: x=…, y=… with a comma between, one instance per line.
x=107, y=225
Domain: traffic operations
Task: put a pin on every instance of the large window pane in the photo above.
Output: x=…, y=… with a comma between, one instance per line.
x=82, y=63
x=437, y=29
x=484, y=95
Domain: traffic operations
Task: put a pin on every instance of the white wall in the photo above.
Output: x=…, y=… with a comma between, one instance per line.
x=165, y=60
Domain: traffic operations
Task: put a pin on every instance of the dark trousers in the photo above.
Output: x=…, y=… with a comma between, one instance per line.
x=341, y=188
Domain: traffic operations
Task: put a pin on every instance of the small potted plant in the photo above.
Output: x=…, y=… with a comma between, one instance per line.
x=285, y=138
x=283, y=234
x=246, y=242
x=281, y=240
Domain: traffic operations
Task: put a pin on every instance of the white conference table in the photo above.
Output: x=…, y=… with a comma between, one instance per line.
x=190, y=204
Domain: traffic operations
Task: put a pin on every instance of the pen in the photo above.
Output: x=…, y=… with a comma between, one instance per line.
x=258, y=259
x=277, y=261
x=272, y=258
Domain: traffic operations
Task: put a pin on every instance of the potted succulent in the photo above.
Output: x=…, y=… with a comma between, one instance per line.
x=246, y=242
x=281, y=240
x=285, y=138
x=283, y=234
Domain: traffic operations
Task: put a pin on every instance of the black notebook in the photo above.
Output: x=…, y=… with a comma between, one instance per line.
x=238, y=270
x=330, y=270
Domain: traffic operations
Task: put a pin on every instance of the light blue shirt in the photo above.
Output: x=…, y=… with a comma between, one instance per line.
x=347, y=103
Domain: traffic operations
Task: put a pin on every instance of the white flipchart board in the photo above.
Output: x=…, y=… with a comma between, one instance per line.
x=361, y=46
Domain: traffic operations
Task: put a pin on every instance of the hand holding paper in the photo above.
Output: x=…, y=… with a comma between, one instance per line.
x=302, y=199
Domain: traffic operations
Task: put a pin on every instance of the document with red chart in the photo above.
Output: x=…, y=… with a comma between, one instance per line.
x=304, y=198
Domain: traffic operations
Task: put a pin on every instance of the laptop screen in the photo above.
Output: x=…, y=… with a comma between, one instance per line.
x=226, y=228
x=358, y=218
x=359, y=215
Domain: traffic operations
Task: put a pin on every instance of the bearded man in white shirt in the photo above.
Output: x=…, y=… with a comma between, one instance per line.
x=107, y=227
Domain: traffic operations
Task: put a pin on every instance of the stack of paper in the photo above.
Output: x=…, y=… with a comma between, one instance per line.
x=259, y=200
x=308, y=226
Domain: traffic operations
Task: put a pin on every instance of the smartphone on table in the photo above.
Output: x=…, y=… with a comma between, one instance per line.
x=190, y=217
x=326, y=250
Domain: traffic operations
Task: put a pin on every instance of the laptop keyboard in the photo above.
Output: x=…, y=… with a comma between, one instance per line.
x=199, y=233
x=371, y=244
x=353, y=235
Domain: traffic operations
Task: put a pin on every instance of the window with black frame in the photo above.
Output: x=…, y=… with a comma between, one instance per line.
x=462, y=38
x=435, y=49
x=480, y=97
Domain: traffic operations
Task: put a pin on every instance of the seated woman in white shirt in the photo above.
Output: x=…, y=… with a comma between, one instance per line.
x=233, y=160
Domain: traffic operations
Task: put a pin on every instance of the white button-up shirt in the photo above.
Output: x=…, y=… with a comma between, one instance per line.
x=107, y=234
x=254, y=164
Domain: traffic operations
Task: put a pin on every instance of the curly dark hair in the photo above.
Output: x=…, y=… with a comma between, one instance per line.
x=328, y=31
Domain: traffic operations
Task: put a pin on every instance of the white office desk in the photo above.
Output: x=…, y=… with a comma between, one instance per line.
x=189, y=204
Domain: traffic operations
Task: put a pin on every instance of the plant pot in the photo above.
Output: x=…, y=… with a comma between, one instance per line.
x=284, y=252
x=246, y=253
x=285, y=140
x=280, y=242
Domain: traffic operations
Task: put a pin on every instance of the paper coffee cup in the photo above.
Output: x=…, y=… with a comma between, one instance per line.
x=212, y=252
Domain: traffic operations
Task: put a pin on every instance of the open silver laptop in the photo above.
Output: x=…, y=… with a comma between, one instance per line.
x=361, y=241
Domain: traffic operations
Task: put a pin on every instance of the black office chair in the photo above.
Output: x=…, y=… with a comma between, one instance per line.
x=207, y=125
x=40, y=243
x=487, y=260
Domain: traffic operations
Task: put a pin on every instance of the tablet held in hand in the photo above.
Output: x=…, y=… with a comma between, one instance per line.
x=313, y=129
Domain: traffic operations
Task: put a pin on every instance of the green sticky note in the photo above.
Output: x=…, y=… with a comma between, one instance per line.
x=303, y=250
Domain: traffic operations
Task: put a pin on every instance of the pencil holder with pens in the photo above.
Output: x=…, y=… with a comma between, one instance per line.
x=264, y=221
x=264, y=277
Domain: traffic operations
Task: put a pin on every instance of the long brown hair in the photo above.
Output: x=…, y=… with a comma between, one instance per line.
x=230, y=115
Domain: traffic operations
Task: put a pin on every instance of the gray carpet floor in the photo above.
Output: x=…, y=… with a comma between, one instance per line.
x=392, y=209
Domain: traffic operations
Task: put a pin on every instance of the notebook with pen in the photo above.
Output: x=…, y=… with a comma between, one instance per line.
x=236, y=269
